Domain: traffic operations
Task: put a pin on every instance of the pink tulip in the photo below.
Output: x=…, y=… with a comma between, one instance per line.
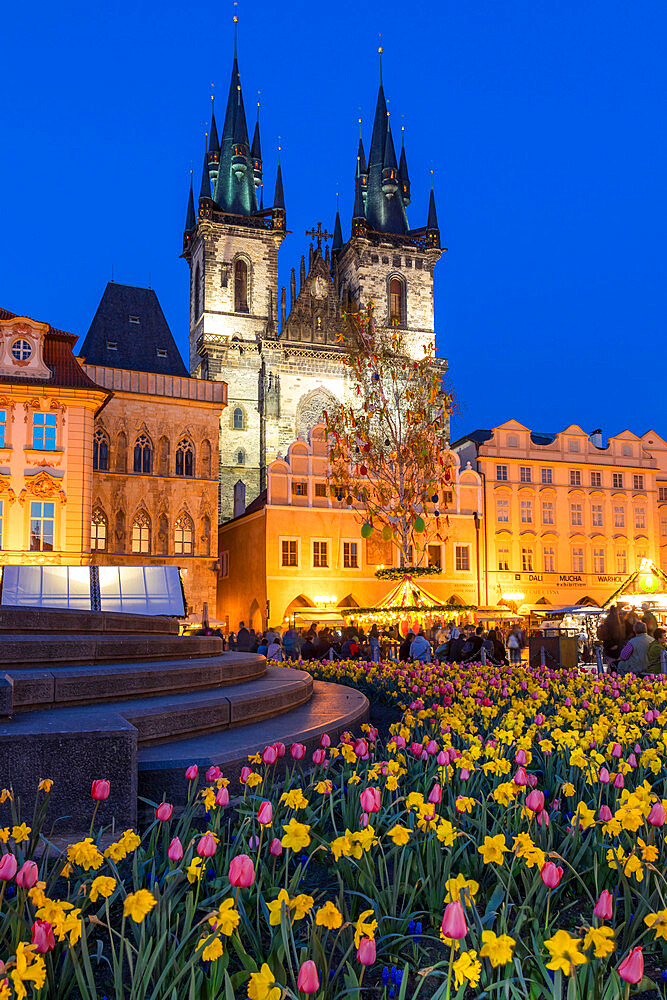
x=42, y=937
x=275, y=847
x=8, y=866
x=373, y=733
x=366, y=951
x=325, y=740
x=656, y=817
x=192, y=772
x=604, y=906
x=454, y=921
x=207, y=846
x=616, y=750
x=521, y=778
x=253, y=843
x=270, y=756
x=464, y=773
x=298, y=751
x=531, y=780
x=245, y=774
x=631, y=968
x=551, y=875
x=603, y=776
x=535, y=801
x=632, y=760
x=543, y=818
x=619, y=781
x=175, y=852
x=605, y=814
x=431, y=748
x=213, y=773
x=370, y=800
x=241, y=871
x=308, y=980
x=435, y=795
x=100, y=789
x=520, y=757
x=280, y=749
x=28, y=875
x=265, y=814
x=442, y=758
x=539, y=720
x=319, y=756
x=222, y=796
x=361, y=748
x=164, y=811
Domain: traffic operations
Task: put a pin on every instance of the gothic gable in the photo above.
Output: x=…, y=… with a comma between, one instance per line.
x=316, y=316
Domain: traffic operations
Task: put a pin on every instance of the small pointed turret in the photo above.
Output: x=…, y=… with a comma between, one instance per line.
x=389, y=165
x=256, y=154
x=432, y=230
x=337, y=233
x=292, y=289
x=213, y=154
x=278, y=213
x=302, y=273
x=205, y=187
x=283, y=309
x=190, y=218
x=403, y=178
x=359, y=213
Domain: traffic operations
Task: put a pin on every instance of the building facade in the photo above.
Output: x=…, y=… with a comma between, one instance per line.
x=48, y=407
x=154, y=455
x=566, y=516
x=297, y=548
x=284, y=366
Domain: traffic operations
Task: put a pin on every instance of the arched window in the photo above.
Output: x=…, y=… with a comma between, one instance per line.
x=121, y=452
x=240, y=286
x=240, y=457
x=163, y=456
x=395, y=302
x=141, y=533
x=185, y=462
x=100, y=450
x=98, y=531
x=184, y=536
x=238, y=419
x=197, y=295
x=205, y=459
x=143, y=455
x=206, y=535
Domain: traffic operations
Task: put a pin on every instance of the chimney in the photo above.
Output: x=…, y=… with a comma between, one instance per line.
x=596, y=438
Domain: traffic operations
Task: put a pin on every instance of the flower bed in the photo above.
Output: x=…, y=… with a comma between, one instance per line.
x=506, y=841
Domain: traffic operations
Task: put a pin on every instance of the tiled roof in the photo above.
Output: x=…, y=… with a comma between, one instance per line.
x=66, y=372
x=478, y=436
x=129, y=331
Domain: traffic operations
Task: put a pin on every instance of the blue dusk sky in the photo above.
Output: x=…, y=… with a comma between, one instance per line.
x=544, y=124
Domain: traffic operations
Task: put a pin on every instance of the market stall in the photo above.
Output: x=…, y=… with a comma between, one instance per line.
x=644, y=590
x=407, y=605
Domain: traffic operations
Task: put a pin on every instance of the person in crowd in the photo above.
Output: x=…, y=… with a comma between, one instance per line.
x=655, y=651
x=308, y=647
x=611, y=633
x=499, y=651
x=323, y=644
x=291, y=644
x=420, y=648
x=374, y=643
x=274, y=651
x=262, y=645
x=404, y=649
x=649, y=619
x=472, y=646
x=634, y=655
x=243, y=639
x=514, y=647
x=456, y=644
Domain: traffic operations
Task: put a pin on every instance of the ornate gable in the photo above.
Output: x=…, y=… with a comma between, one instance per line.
x=317, y=315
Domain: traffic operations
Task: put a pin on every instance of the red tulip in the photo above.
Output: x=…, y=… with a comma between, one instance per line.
x=175, y=852
x=521, y=778
x=275, y=847
x=308, y=980
x=619, y=781
x=325, y=740
x=361, y=748
x=192, y=772
x=213, y=773
x=551, y=875
x=435, y=795
x=245, y=774
x=298, y=751
x=631, y=968
x=543, y=818
x=8, y=866
x=164, y=811
x=280, y=749
x=207, y=846
x=370, y=800
x=100, y=789
x=270, y=755
x=366, y=951
x=604, y=906
x=454, y=921
x=42, y=937
x=222, y=796
x=535, y=801
x=241, y=871
x=28, y=875
x=319, y=756
x=656, y=817
x=265, y=814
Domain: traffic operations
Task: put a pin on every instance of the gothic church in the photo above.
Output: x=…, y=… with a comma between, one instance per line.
x=283, y=368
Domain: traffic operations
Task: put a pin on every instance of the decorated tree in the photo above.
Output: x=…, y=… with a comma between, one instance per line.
x=388, y=447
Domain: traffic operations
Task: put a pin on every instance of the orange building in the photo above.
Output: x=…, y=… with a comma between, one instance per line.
x=567, y=516
x=47, y=413
x=297, y=549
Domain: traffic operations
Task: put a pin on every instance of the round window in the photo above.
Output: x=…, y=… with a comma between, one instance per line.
x=21, y=350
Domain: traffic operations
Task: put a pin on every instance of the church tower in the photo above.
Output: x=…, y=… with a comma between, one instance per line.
x=231, y=245
x=384, y=259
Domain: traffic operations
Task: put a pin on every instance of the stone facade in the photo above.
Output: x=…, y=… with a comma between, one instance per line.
x=155, y=483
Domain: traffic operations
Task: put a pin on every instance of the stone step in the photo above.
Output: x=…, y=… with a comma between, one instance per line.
x=34, y=688
x=59, y=620
x=18, y=650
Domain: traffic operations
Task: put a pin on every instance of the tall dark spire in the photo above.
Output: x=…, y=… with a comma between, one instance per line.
x=213, y=154
x=338, y=232
x=256, y=154
x=432, y=229
x=385, y=210
x=190, y=219
x=279, y=197
x=403, y=178
x=205, y=188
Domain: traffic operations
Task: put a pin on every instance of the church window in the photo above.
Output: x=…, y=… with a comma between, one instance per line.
x=205, y=470
x=98, y=531
x=184, y=536
x=197, y=291
x=395, y=302
x=141, y=534
x=238, y=419
x=240, y=286
x=184, y=458
x=100, y=450
x=240, y=457
x=143, y=455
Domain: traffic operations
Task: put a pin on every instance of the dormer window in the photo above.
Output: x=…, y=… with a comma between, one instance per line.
x=134, y=319
x=161, y=352
x=21, y=350
x=112, y=345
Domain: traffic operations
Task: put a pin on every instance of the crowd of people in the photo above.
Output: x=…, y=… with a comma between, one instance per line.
x=633, y=642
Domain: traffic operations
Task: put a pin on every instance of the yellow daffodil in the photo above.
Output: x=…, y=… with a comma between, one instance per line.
x=262, y=985
x=498, y=948
x=103, y=885
x=21, y=833
x=212, y=947
x=45, y=785
x=493, y=849
x=85, y=854
x=399, y=834
x=30, y=968
x=329, y=916
x=195, y=870
x=139, y=904
x=601, y=939
x=276, y=908
x=365, y=927
x=301, y=905
x=467, y=969
x=226, y=918
x=297, y=835
x=565, y=953
x=461, y=889
x=294, y=799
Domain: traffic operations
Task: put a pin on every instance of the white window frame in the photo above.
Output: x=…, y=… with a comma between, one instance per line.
x=596, y=476
x=506, y=505
x=289, y=538
x=549, y=558
x=597, y=515
x=526, y=506
x=319, y=540
x=460, y=548
x=343, y=543
x=504, y=478
x=547, y=477
x=552, y=512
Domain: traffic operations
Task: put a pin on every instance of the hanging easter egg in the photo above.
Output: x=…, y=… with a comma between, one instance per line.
x=363, y=470
x=648, y=583
x=419, y=525
x=366, y=530
x=434, y=498
x=348, y=500
x=387, y=533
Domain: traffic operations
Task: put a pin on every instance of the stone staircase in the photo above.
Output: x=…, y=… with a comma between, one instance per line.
x=86, y=695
